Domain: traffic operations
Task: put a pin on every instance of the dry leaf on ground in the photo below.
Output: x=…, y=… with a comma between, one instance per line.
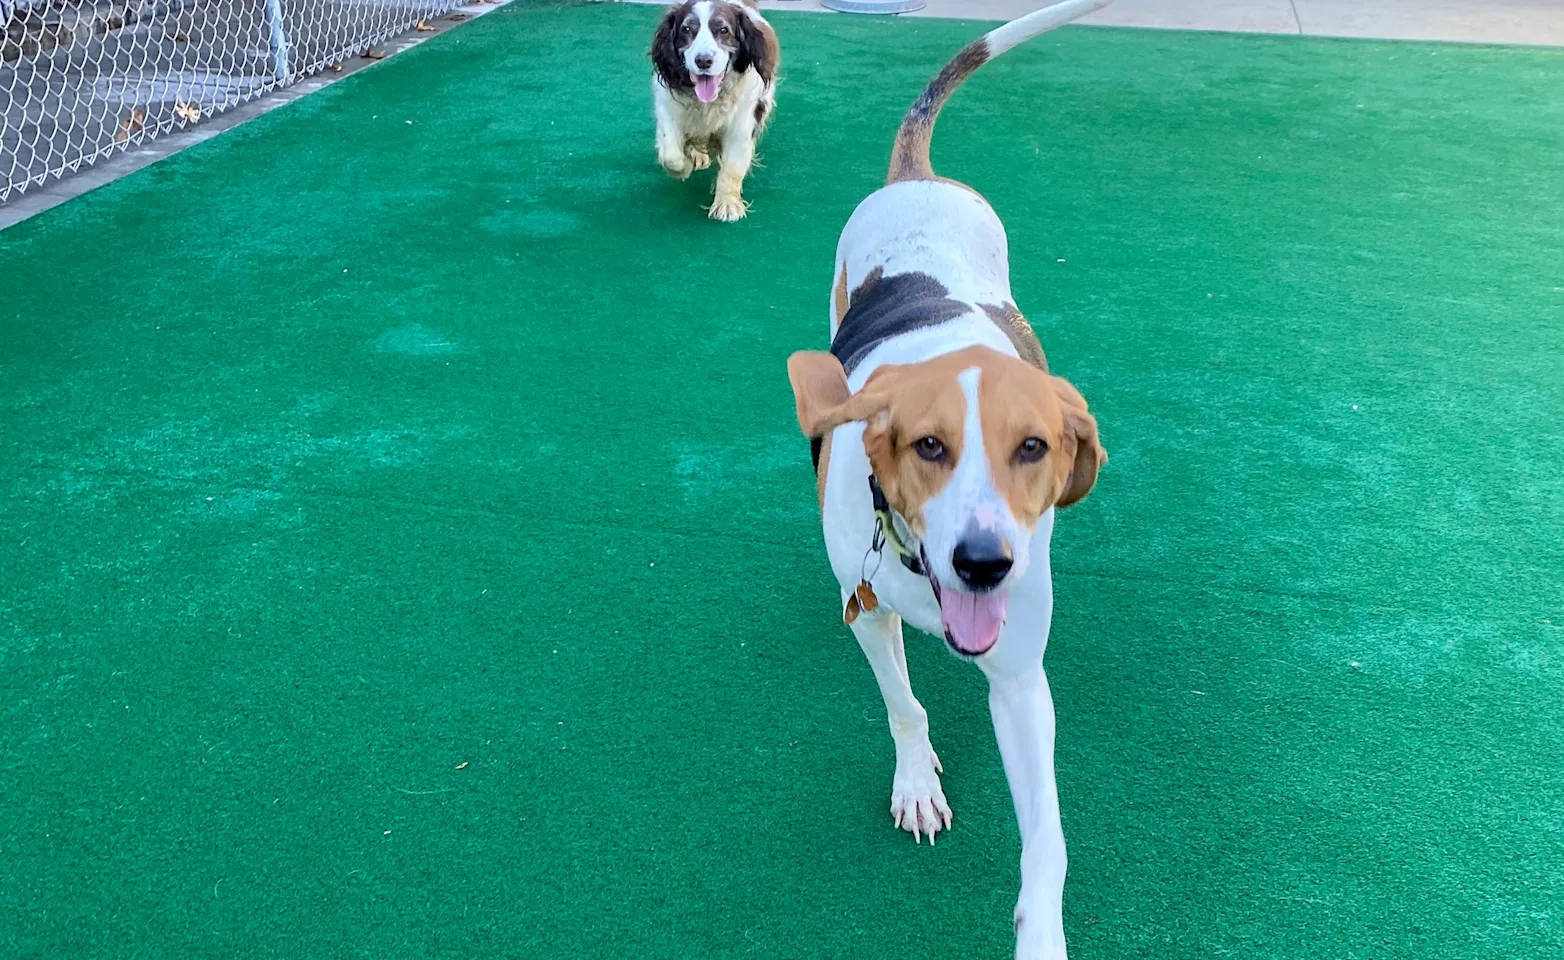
x=131, y=125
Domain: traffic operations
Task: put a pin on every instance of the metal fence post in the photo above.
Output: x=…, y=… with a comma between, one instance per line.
x=279, y=34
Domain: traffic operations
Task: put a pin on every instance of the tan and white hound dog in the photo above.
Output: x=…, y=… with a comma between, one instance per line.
x=942, y=447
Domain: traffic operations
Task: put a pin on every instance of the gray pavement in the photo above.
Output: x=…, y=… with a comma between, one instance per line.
x=1539, y=22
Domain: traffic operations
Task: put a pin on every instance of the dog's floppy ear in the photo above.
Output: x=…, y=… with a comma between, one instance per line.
x=1080, y=428
x=665, y=48
x=757, y=48
x=820, y=390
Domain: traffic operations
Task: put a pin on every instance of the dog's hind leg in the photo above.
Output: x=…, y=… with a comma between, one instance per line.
x=700, y=151
x=917, y=802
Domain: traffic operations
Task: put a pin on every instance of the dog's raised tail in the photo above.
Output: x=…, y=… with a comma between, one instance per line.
x=910, y=155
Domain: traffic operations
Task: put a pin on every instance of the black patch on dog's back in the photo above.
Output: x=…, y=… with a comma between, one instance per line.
x=883, y=307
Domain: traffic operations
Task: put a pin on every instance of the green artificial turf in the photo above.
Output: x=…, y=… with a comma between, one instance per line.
x=408, y=551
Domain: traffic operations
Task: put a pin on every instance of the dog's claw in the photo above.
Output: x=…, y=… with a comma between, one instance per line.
x=917, y=803
x=728, y=209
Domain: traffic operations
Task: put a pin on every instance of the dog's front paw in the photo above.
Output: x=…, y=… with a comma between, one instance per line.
x=917, y=803
x=1038, y=937
x=677, y=164
x=728, y=209
x=699, y=159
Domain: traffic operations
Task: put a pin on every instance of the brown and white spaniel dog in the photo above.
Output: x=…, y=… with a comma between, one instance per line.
x=714, y=88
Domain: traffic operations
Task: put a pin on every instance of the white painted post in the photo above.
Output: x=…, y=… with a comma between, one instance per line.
x=279, y=34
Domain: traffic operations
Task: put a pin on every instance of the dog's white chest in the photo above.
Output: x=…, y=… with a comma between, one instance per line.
x=908, y=595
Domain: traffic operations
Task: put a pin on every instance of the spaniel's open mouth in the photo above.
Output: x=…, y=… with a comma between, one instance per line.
x=707, y=85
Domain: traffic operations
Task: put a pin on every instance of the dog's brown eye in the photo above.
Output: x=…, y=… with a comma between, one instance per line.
x=930, y=449
x=1031, y=449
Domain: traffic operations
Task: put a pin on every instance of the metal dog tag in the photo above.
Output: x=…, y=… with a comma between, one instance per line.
x=865, y=597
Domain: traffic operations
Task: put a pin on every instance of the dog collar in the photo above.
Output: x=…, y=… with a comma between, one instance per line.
x=910, y=557
x=886, y=532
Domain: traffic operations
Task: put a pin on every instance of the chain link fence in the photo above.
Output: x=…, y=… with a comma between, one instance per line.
x=81, y=79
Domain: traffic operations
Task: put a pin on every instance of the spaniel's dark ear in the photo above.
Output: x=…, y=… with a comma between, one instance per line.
x=757, y=47
x=665, y=49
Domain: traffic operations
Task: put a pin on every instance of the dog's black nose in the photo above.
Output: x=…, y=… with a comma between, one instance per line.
x=703, y=61
x=981, y=560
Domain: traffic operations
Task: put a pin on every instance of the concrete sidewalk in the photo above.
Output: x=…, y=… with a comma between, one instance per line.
x=1539, y=22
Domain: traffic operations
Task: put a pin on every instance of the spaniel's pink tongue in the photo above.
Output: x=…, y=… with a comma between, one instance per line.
x=706, y=87
x=972, y=620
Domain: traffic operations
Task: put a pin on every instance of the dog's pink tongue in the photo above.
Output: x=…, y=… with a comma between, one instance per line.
x=706, y=88
x=972, y=620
